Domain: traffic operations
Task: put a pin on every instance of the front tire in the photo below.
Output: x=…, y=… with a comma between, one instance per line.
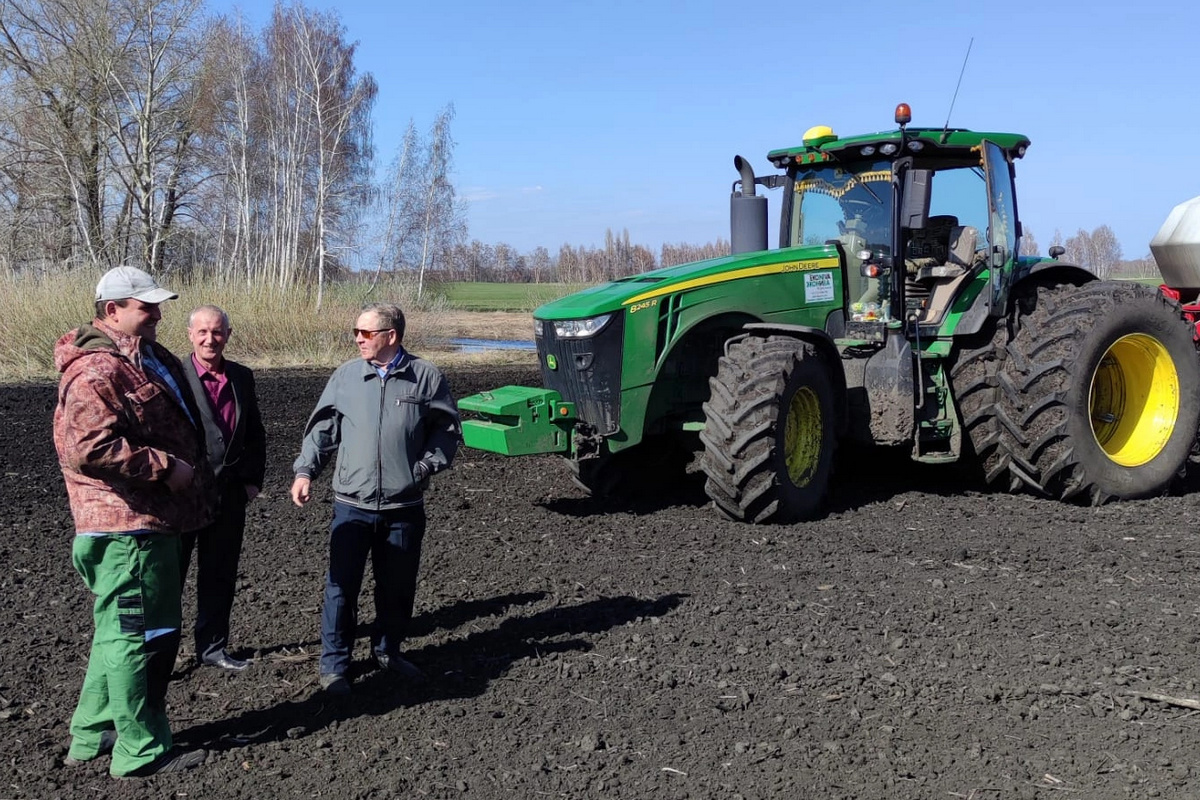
x=769, y=430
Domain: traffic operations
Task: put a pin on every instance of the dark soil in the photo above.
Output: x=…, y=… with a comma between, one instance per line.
x=926, y=639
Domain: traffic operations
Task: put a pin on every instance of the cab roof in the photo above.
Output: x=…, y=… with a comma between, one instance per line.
x=948, y=144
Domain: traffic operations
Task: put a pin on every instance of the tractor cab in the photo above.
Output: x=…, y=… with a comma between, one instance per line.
x=915, y=214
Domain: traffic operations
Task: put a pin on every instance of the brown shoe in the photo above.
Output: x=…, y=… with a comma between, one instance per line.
x=171, y=761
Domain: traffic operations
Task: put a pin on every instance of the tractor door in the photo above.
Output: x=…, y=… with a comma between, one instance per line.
x=1002, y=226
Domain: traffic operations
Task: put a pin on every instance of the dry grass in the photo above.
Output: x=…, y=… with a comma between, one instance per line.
x=272, y=327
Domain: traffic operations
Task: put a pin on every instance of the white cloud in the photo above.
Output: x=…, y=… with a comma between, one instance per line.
x=479, y=194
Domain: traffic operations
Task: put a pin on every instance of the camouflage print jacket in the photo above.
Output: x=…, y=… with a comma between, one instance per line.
x=119, y=433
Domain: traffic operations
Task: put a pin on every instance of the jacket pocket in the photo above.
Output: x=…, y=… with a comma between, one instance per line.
x=402, y=398
x=146, y=402
x=403, y=433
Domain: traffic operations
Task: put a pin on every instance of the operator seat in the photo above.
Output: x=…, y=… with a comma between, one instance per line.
x=959, y=259
x=963, y=241
x=929, y=245
x=942, y=281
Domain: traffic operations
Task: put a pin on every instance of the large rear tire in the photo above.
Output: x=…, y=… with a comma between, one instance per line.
x=975, y=378
x=769, y=431
x=1095, y=393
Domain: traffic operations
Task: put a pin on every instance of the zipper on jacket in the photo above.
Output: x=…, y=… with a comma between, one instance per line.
x=379, y=447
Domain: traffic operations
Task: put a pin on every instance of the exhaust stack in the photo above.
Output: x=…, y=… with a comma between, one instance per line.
x=747, y=212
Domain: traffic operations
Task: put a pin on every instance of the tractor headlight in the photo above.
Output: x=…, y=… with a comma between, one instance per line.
x=580, y=328
x=538, y=326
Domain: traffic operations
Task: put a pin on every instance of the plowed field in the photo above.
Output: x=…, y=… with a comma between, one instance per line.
x=925, y=639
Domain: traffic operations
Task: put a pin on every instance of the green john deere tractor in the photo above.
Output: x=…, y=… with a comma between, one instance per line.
x=896, y=311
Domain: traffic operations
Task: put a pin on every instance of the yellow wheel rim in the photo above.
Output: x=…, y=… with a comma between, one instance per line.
x=1134, y=400
x=802, y=436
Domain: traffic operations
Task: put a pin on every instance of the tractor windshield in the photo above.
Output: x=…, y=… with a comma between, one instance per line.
x=848, y=203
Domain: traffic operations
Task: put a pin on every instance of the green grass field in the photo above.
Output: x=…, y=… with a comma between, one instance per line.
x=502, y=296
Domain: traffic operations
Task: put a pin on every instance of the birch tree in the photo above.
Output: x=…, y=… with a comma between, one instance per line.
x=54, y=55
x=442, y=219
x=1106, y=251
x=236, y=150
x=154, y=89
x=1098, y=250
x=423, y=221
x=1029, y=245
x=400, y=200
x=319, y=140
x=109, y=94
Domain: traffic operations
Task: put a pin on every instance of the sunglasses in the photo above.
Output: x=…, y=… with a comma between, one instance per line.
x=366, y=334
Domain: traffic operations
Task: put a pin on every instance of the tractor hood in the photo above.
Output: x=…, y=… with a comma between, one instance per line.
x=624, y=292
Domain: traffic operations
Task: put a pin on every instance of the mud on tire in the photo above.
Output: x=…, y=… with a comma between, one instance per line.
x=769, y=433
x=1089, y=392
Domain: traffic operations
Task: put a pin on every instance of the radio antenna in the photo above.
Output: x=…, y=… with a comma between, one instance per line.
x=946, y=127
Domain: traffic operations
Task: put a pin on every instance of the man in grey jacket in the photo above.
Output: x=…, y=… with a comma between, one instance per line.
x=391, y=420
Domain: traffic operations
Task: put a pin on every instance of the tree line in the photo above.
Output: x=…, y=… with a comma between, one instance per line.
x=1097, y=250
x=617, y=258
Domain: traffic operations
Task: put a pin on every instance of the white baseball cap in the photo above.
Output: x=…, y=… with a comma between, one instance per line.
x=124, y=283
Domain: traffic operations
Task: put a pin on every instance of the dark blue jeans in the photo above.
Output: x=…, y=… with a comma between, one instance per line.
x=393, y=541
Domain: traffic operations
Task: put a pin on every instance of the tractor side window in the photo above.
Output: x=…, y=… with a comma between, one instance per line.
x=962, y=194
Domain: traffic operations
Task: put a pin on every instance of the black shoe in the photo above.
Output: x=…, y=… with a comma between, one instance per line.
x=399, y=666
x=225, y=661
x=108, y=740
x=171, y=761
x=333, y=683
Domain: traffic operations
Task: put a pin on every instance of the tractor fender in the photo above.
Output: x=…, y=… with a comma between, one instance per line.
x=1046, y=270
x=1058, y=271
x=824, y=344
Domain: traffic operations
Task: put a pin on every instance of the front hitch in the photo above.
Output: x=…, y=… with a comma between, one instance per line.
x=518, y=421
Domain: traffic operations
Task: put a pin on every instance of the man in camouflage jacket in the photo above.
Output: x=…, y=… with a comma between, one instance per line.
x=133, y=459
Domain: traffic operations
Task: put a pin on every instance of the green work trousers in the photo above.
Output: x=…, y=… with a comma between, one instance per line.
x=135, y=578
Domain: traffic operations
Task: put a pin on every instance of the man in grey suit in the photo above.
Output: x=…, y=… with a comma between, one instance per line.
x=236, y=440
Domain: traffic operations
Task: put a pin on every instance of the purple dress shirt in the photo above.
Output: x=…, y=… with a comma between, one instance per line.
x=220, y=397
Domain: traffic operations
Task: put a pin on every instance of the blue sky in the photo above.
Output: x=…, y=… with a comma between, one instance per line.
x=576, y=117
